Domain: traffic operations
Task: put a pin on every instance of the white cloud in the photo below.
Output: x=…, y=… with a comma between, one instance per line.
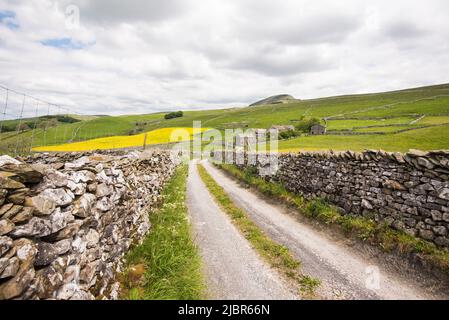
x=117, y=11
x=149, y=56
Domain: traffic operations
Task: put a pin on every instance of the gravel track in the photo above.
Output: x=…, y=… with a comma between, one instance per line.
x=344, y=272
x=233, y=270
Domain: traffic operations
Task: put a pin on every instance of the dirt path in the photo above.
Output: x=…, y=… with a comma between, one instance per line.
x=344, y=273
x=233, y=269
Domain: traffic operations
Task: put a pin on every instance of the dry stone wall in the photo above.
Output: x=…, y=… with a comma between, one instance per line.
x=66, y=220
x=408, y=191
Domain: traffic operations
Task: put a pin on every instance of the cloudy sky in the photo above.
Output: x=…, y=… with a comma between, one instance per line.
x=143, y=56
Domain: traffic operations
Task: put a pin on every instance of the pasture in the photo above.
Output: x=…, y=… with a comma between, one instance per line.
x=424, y=111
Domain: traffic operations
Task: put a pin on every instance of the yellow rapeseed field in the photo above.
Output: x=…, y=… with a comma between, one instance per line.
x=159, y=136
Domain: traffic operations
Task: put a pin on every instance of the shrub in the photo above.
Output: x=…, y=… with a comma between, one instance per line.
x=174, y=115
x=22, y=127
x=67, y=119
x=305, y=125
x=52, y=122
x=288, y=134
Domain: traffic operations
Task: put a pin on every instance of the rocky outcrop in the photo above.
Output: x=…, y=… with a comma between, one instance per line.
x=410, y=192
x=66, y=220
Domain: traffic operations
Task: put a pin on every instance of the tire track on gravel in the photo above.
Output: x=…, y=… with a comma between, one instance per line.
x=233, y=270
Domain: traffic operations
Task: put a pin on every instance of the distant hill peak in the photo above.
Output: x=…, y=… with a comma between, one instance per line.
x=279, y=99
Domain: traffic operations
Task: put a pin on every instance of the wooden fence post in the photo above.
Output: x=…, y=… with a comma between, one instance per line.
x=145, y=142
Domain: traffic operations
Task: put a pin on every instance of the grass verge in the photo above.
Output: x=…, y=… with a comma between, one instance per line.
x=167, y=266
x=364, y=229
x=276, y=255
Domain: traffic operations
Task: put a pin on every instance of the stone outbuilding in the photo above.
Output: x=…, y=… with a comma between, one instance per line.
x=318, y=130
x=283, y=128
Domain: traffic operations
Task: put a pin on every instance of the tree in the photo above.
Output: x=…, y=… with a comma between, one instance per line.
x=67, y=119
x=47, y=124
x=288, y=135
x=174, y=115
x=22, y=127
x=306, y=125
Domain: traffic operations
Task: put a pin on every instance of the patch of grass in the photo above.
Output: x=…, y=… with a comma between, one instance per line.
x=352, y=123
x=369, y=231
x=434, y=138
x=392, y=129
x=434, y=120
x=277, y=255
x=167, y=266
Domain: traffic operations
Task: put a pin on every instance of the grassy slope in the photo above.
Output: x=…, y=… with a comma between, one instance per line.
x=167, y=266
x=424, y=139
x=404, y=106
x=349, y=124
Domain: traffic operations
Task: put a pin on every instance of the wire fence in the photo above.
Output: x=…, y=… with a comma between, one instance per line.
x=27, y=122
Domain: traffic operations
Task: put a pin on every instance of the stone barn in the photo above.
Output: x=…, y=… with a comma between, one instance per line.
x=318, y=130
x=283, y=128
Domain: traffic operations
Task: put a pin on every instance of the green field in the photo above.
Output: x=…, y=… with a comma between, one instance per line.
x=423, y=139
x=369, y=113
x=351, y=124
x=389, y=129
x=434, y=120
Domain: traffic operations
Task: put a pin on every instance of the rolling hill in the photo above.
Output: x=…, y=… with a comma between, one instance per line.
x=279, y=99
x=394, y=121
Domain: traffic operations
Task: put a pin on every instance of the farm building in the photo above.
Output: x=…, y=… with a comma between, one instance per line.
x=318, y=130
x=254, y=135
x=283, y=128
